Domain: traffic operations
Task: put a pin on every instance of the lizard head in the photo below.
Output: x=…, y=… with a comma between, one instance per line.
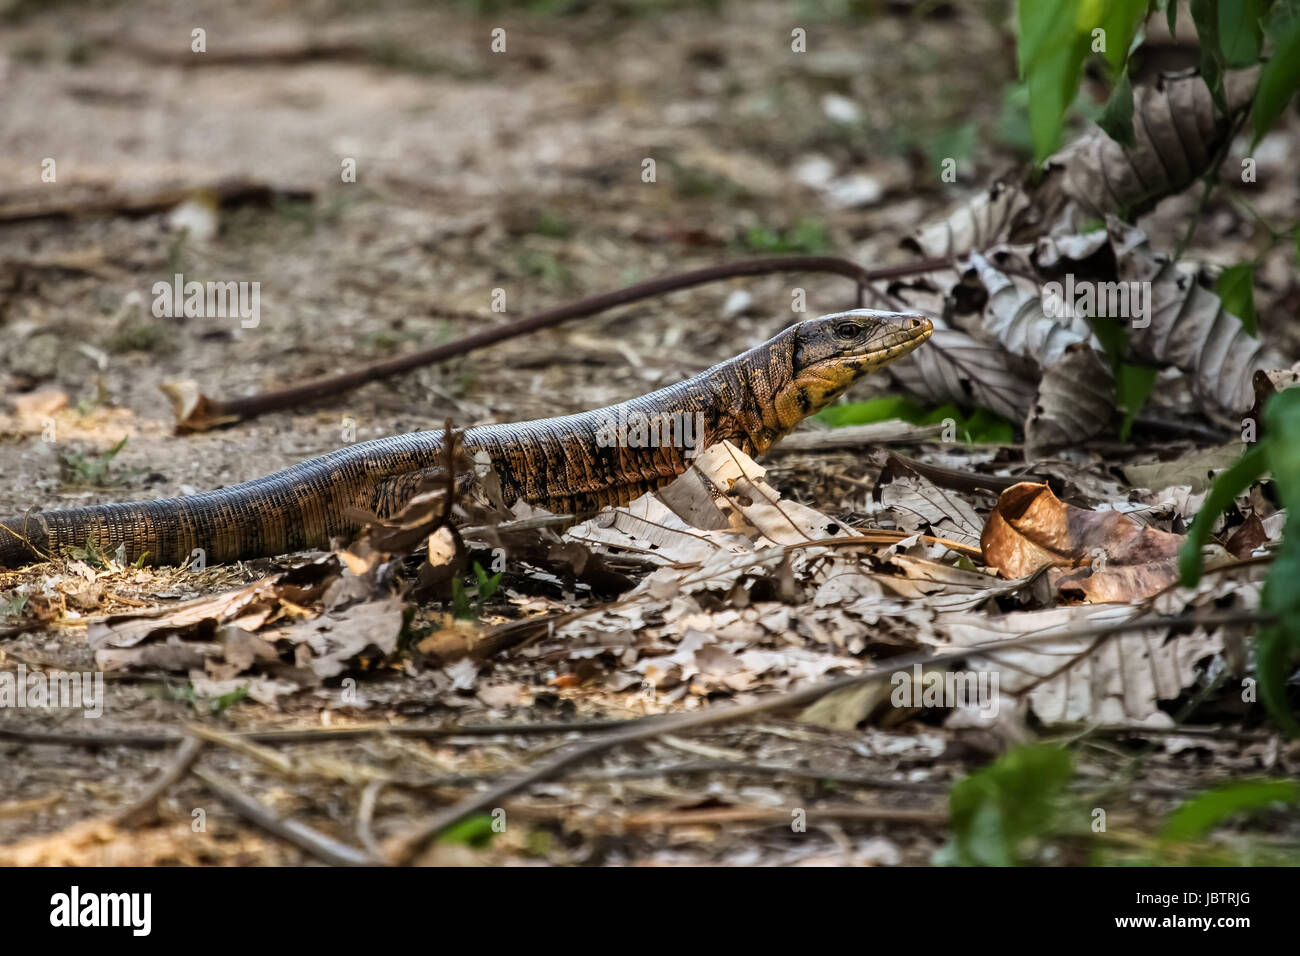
x=834, y=351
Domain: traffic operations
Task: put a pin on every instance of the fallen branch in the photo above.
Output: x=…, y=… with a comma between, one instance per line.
x=226, y=192
x=716, y=815
x=323, y=847
x=310, y=734
x=197, y=412
x=189, y=752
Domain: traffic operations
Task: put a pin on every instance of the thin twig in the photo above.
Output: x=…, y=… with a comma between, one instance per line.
x=312, y=734
x=250, y=406
x=186, y=754
x=678, y=818
x=319, y=845
x=365, y=815
x=747, y=769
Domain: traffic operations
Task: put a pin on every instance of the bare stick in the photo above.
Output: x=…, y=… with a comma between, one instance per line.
x=311, y=734
x=319, y=845
x=226, y=411
x=185, y=756
x=717, y=815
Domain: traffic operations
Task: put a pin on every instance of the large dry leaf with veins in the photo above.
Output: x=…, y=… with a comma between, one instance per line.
x=1074, y=398
x=1194, y=471
x=955, y=367
x=1076, y=389
x=1120, y=679
x=1189, y=328
x=919, y=504
x=1178, y=133
x=1110, y=556
x=979, y=223
x=1016, y=342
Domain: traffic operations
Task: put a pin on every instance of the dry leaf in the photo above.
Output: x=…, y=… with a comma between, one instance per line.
x=1114, y=557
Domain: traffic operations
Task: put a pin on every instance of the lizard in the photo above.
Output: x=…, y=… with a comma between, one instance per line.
x=574, y=464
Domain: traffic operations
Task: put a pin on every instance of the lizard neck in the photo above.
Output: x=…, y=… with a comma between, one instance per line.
x=753, y=397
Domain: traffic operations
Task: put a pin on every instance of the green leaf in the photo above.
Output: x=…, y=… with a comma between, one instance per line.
x=1117, y=117
x=996, y=810
x=1279, y=79
x=1133, y=386
x=981, y=425
x=1051, y=51
x=1120, y=20
x=219, y=704
x=1240, y=31
x=1205, y=14
x=1236, y=290
x=1202, y=813
x=989, y=427
x=1171, y=14
x=1227, y=485
x=1278, y=643
x=873, y=410
x=474, y=831
x=956, y=142
x=1055, y=37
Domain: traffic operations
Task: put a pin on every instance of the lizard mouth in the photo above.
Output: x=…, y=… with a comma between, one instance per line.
x=908, y=334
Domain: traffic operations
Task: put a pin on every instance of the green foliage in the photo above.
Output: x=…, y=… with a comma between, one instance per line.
x=1133, y=386
x=551, y=224
x=13, y=604
x=1001, y=815
x=1241, y=31
x=208, y=706
x=1010, y=812
x=1236, y=290
x=1056, y=36
x=90, y=554
x=1117, y=116
x=217, y=705
x=475, y=831
x=538, y=264
x=1228, y=484
x=486, y=587
x=1277, y=643
x=955, y=142
x=1280, y=78
x=696, y=182
x=980, y=425
x=1013, y=123
x=806, y=236
x=143, y=336
x=76, y=468
x=1197, y=816
x=1205, y=15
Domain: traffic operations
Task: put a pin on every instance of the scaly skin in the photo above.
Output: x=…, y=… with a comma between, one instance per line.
x=576, y=464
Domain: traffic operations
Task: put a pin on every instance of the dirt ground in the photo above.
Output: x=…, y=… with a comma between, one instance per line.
x=475, y=171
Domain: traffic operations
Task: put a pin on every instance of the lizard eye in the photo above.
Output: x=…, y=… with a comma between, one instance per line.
x=847, y=330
